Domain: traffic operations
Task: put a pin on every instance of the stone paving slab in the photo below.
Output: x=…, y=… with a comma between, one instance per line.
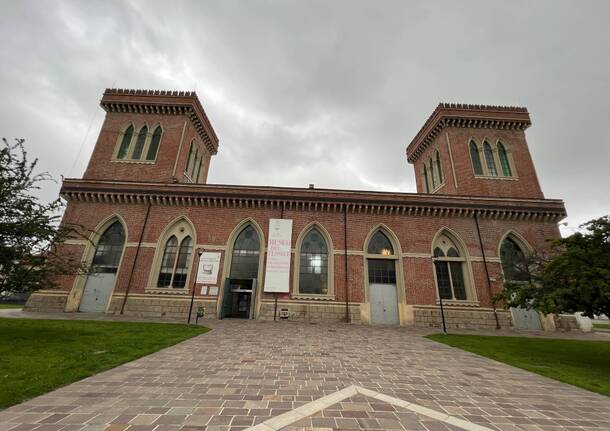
x=243, y=373
x=365, y=413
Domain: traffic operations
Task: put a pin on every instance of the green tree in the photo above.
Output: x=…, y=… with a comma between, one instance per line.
x=29, y=229
x=574, y=276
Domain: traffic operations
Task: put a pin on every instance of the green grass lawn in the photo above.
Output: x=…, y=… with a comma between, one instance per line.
x=578, y=362
x=4, y=306
x=37, y=356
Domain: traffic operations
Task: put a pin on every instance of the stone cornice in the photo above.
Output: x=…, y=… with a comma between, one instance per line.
x=328, y=200
x=471, y=116
x=163, y=102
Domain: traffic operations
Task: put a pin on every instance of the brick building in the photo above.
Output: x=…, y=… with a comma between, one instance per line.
x=368, y=257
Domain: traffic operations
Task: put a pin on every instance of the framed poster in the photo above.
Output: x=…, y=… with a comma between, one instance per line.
x=207, y=273
x=277, y=271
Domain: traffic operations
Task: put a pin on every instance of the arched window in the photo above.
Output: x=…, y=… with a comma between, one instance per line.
x=175, y=262
x=246, y=252
x=450, y=268
x=109, y=250
x=125, y=142
x=514, y=262
x=476, y=159
x=151, y=154
x=380, y=244
x=189, y=159
x=381, y=268
x=506, y=171
x=139, y=147
x=439, y=169
x=432, y=174
x=427, y=185
x=489, y=160
x=313, y=264
x=198, y=171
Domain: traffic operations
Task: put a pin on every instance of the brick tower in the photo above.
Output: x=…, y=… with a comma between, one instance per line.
x=152, y=136
x=475, y=150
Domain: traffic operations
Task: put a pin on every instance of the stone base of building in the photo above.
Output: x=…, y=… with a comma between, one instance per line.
x=566, y=322
x=430, y=317
x=46, y=301
x=177, y=308
x=157, y=306
x=310, y=312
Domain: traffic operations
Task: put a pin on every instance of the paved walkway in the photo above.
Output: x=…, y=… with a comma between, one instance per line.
x=244, y=373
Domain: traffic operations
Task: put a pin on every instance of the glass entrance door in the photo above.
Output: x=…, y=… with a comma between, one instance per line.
x=241, y=298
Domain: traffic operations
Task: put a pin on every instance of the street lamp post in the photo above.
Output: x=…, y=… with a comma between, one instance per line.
x=199, y=253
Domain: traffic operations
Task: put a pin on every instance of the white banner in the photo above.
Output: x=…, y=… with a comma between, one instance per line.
x=207, y=273
x=277, y=272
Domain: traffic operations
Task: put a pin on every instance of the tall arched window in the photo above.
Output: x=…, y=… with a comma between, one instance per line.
x=198, y=171
x=167, y=262
x=151, y=154
x=489, y=160
x=125, y=142
x=380, y=258
x=109, y=250
x=439, y=169
x=175, y=262
x=426, y=184
x=246, y=252
x=313, y=264
x=450, y=268
x=139, y=147
x=432, y=174
x=514, y=262
x=189, y=159
x=506, y=171
x=476, y=158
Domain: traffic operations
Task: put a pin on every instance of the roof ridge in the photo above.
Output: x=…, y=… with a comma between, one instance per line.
x=145, y=92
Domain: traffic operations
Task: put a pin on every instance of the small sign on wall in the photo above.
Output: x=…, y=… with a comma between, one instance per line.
x=207, y=273
x=204, y=290
x=213, y=290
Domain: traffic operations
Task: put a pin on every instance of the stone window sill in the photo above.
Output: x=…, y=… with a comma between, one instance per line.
x=437, y=188
x=137, y=162
x=497, y=177
x=456, y=302
x=167, y=290
x=314, y=297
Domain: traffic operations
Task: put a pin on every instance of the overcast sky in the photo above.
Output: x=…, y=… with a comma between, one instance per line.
x=327, y=92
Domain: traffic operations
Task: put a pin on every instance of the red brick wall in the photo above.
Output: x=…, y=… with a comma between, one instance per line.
x=415, y=235
x=525, y=184
x=102, y=166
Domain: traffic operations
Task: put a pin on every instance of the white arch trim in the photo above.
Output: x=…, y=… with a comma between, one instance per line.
x=389, y=233
x=452, y=235
x=78, y=287
x=468, y=272
x=167, y=232
x=228, y=257
x=297, y=262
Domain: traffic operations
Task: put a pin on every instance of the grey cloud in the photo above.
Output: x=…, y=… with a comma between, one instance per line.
x=314, y=91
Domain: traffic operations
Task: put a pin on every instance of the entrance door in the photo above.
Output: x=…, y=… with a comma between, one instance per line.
x=384, y=304
x=100, y=284
x=526, y=319
x=97, y=293
x=238, y=301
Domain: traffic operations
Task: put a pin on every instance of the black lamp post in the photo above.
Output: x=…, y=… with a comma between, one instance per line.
x=199, y=253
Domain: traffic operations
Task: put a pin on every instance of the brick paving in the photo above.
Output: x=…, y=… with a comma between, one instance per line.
x=364, y=413
x=243, y=373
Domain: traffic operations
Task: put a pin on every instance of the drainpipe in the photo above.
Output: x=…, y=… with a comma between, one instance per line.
x=347, y=317
x=493, y=303
x=133, y=267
